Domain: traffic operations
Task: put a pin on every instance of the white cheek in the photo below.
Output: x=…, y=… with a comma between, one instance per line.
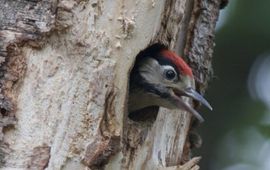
x=151, y=71
x=153, y=77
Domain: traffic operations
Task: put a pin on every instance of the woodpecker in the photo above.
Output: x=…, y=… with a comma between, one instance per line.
x=162, y=78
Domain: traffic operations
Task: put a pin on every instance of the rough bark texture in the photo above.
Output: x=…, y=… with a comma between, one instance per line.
x=200, y=40
x=64, y=69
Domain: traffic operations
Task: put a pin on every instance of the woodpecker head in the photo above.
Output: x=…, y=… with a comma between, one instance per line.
x=162, y=79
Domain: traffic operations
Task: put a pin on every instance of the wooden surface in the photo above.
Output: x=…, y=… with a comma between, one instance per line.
x=64, y=77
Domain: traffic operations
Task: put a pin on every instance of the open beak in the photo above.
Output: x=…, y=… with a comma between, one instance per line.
x=190, y=92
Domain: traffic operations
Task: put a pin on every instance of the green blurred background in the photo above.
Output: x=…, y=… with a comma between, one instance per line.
x=236, y=135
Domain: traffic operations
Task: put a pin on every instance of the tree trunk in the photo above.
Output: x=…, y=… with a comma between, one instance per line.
x=64, y=81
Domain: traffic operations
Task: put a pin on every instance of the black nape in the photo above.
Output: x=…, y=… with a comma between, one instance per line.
x=151, y=50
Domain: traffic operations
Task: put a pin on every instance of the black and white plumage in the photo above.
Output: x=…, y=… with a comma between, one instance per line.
x=161, y=78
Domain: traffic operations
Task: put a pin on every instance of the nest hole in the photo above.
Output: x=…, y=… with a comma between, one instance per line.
x=147, y=114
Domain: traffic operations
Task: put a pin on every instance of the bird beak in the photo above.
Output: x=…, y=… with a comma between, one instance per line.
x=189, y=92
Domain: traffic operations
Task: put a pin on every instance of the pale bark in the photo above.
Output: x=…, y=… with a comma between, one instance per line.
x=64, y=81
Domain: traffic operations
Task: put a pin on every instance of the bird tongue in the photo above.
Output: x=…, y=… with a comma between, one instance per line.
x=181, y=104
x=189, y=92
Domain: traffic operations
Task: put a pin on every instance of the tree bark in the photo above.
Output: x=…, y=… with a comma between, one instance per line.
x=64, y=81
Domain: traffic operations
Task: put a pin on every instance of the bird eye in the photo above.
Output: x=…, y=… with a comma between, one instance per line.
x=170, y=74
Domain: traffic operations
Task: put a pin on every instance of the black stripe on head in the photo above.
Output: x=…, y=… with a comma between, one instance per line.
x=156, y=89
